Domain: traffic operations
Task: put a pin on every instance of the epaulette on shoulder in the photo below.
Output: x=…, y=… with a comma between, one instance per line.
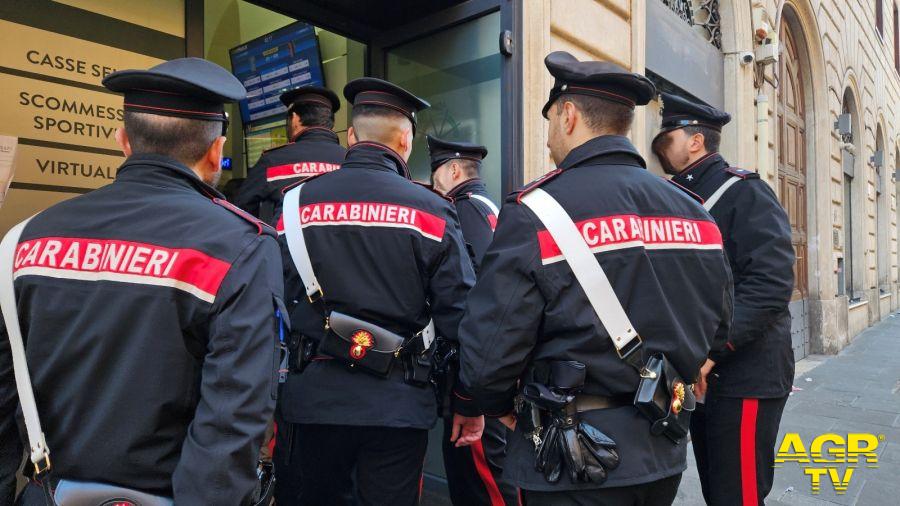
x=432, y=190
x=275, y=148
x=302, y=181
x=534, y=184
x=261, y=226
x=742, y=173
x=689, y=193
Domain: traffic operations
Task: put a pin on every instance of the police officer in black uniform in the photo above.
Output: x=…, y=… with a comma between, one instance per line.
x=148, y=308
x=455, y=172
x=314, y=149
x=751, y=377
x=529, y=326
x=389, y=253
x=474, y=473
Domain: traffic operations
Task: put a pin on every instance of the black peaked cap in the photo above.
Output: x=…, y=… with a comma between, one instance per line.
x=596, y=79
x=442, y=151
x=185, y=87
x=679, y=112
x=373, y=91
x=311, y=93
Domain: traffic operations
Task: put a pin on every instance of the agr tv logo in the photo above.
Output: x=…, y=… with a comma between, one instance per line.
x=830, y=456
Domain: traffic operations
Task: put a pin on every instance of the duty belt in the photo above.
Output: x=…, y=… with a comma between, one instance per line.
x=584, y=402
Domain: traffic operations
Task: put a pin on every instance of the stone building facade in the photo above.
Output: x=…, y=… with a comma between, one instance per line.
x=820, y=124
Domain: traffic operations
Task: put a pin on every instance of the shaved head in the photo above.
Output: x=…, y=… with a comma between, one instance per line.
x=378, y=124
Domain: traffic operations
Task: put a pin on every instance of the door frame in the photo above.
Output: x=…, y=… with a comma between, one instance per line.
x=511, y=135
x=781, y=113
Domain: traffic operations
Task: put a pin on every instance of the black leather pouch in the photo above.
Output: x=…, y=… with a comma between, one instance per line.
x=665, y=399
x=361, y=345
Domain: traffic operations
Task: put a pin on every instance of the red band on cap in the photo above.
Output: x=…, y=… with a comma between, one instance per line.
x=615, y=96
x=401, y=110
x=185, y=111
x=310, y=99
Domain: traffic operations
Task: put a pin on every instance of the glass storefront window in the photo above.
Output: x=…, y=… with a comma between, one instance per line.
x=458, y=71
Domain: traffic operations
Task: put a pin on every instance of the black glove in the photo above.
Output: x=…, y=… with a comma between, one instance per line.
x=600, y=453
x=588, y=453
x=548, y=459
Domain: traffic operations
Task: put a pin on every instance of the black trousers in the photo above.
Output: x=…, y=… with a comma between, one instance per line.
x=475, y=472
x=734, y=443
x=656, y=493
x=347, y=465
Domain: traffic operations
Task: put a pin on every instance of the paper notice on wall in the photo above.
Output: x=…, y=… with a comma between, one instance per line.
x=7, y=167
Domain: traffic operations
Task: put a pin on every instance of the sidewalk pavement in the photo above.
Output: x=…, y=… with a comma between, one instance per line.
x=857, y=390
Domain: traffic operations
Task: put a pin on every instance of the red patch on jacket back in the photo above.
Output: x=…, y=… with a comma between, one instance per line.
x=86, y=259
x=299, y=169
x=610, y=233
x=370, y=214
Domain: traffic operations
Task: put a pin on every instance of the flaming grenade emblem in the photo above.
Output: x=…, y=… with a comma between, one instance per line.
x=677, y=397
x=362, y=340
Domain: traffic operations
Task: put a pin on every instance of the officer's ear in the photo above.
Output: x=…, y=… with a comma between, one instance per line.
x=570, y=115
x=351, y=137
x=697, y=143
x=405, y=142
x=213, y=157
x=123, y=142
x=454, y=170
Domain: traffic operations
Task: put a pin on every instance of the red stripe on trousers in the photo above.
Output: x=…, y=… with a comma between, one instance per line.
x=421, y=481
x=749, y=409
x=484, y=472
x=274, y=438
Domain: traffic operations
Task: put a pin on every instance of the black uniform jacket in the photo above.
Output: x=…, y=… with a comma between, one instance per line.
x=758, y=360
x=148, y=313
x=315, y=151
x=663, y=256
x=385, y=250
x=475, y=217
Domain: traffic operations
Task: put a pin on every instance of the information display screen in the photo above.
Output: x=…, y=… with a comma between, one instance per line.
x=274, y=63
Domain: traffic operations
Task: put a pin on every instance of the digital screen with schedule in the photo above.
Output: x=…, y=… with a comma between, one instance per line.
x=274, y=63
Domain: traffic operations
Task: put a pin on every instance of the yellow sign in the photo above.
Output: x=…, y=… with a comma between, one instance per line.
x=55, y=55
x=163, y=15
x=62, y=167
x=35, y=109
x=54, y=105
x=831, y=457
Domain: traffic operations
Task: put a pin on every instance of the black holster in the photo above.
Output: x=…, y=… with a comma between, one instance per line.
x=301, y=350
x=417, y=362
x=443, y=379
x=562, y=440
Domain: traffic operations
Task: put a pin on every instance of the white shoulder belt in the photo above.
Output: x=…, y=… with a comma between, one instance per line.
x=40, y=453
x=487, y=202
x=587, y=270
x=719, y=192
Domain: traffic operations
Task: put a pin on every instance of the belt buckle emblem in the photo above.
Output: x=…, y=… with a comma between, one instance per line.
x=677, y=397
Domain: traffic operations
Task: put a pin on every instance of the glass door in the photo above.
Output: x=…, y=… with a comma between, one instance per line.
x=457, y=70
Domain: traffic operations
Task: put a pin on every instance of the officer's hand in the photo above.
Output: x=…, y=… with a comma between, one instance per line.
x=701, y=385
x=509, y=421
x=466, y=429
